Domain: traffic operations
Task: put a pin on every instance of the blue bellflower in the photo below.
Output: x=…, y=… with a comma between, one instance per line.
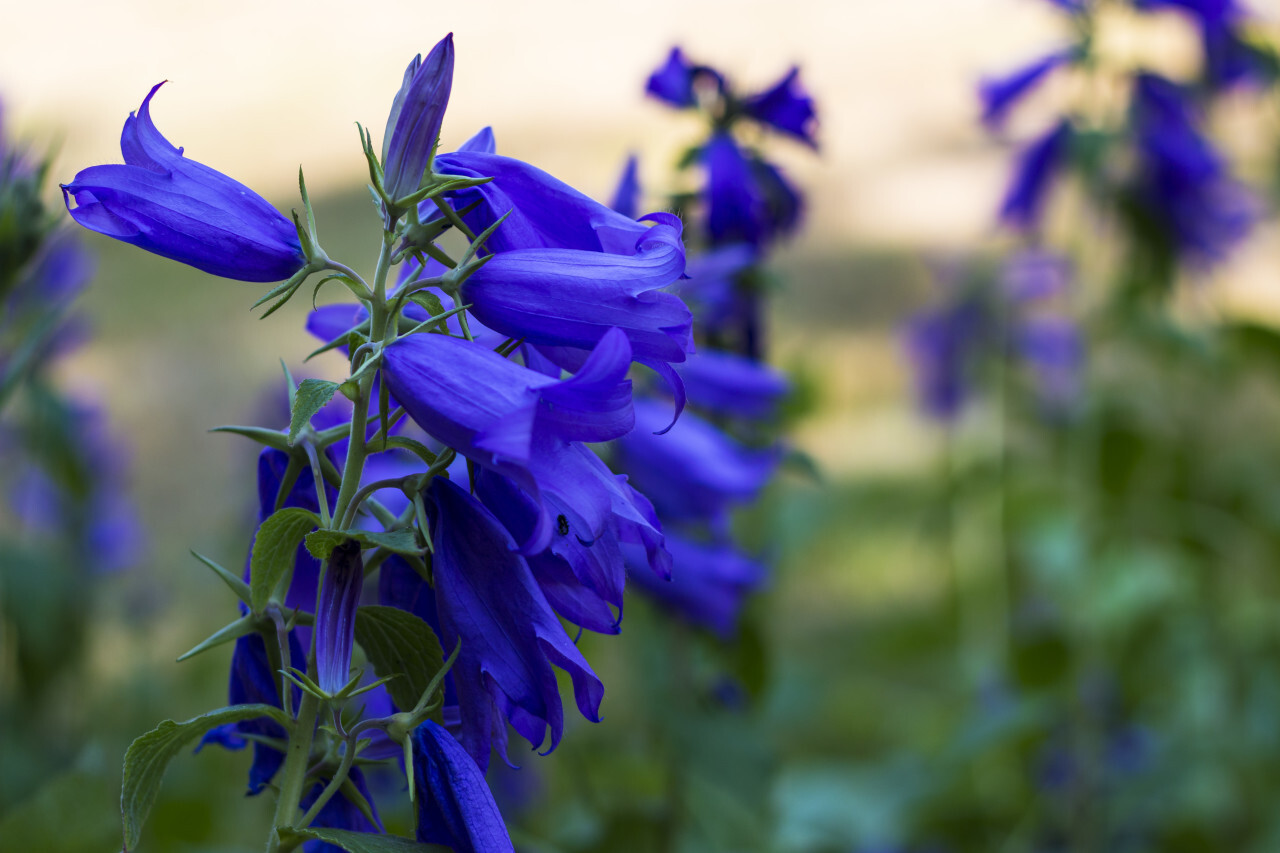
x=626, y=198
x=731, y=384
x=487, y=598
x=336, y=619
x=1037, y=167
x=506, y=417
x=1000, y=94
x=413, y=126
x=942, y=344
x=785, y=106
x=695, y=471
x=570, y=297
x=1183, y=185
x=455, y=806
x=709, y=582
x=180, y=209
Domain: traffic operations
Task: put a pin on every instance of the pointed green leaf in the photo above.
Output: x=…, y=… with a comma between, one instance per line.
x=231, y=579
x=270, y=437
x=237, y=629
x=396, y=641
x=273, y=551
x=365, y=842
x=149, y=755
x=312, y=396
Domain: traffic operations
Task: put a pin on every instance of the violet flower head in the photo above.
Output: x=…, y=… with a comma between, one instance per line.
x=1000, y=94
x=183, y=210
x=673, y=82
x=708, y=585
x=1183, y=187
x=570, y=297
x=787, y=107
x=487, y=598
x=336, y=620
x=694, y=471
x=732, y=384
x=942, y=344
x=1038, y=166
x=455, y=806
x=1052, y=348
x=413, y=127
x=508, y=418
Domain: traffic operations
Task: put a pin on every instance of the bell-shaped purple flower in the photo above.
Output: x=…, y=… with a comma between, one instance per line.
x=673, y=82
x=1052, y=348
x=694, y=471
x=336, y=620
x=487, y=598
x=735, y=205
x=413, y=127
x=732, y=384
x=711, y=287
x=180, y=209
x=570, y=297
x=1183, y=187
x=495, y=412
x=1037, y=167
x=785, y=106
x=1000, y=94
x=941, y=343
x=455, y=806
x=708, y=584
x=542, y=211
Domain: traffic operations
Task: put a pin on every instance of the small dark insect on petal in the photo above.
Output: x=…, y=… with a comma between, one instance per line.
x=562, y=524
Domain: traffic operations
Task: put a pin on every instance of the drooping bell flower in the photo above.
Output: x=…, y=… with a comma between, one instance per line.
x=541, y=211
x=709, y=582
x=694, y=471
x=673, y=82
x=1000, y=94
x=570, y=297
x=336, y=619
x=1037, y=167
x=735, y=206
x=581, y=571
x=732, y=384
x=487, y=598
x=785, y=106
x=455, y=807
x=1182, y=185
x=413, y=127
x=711, y=287
x=175, y=207
x=942, y=343
x=495, y=412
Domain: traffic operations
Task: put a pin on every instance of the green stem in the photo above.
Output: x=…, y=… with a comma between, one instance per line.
x=339, y=776
x=293, y=775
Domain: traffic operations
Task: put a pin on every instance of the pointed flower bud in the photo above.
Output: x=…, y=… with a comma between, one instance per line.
x=455, y=807
x=180, y=209
x=413, y=127
x=336, y=621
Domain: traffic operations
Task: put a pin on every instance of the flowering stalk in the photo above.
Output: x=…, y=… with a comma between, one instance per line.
x=475, y=557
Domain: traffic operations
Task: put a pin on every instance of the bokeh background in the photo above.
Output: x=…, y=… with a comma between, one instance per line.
x=893, y=711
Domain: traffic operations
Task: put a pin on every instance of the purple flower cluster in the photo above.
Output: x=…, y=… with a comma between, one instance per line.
x=1016, y=318
x=1178, y=191
x=460, y=474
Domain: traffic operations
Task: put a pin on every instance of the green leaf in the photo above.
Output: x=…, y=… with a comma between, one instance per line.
x=429, y=302
x=270, y=437
x=312, y=396
x=233, y=581
x=366, y=842
x=398, y=642
x=244, y=625
x=322, y=542
x=149, y=755
x=273, y=551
